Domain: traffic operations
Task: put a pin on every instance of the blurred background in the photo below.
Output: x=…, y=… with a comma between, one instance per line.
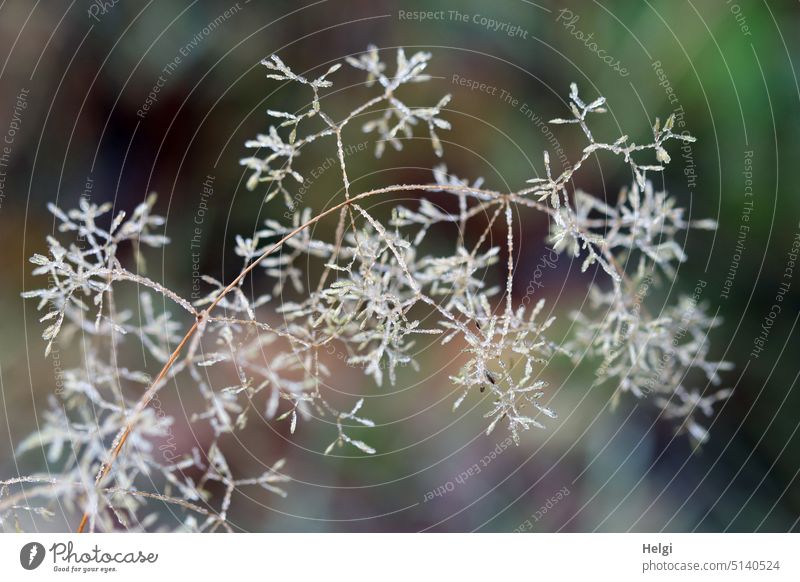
x=75, y=115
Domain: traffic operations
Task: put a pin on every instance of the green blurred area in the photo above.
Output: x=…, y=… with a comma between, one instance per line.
x=729, y=68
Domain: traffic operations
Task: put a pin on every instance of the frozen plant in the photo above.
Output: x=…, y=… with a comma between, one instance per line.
x=109, y=442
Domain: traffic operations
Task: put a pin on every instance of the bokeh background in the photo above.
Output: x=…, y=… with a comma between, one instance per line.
x=84, y=69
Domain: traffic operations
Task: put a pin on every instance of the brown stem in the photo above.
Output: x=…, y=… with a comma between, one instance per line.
x=202, y=317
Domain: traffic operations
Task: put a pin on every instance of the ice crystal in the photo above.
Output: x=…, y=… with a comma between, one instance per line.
x=379, y=293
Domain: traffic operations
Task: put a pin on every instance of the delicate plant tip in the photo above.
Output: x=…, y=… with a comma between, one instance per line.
x=363, y=447
x=382, y=291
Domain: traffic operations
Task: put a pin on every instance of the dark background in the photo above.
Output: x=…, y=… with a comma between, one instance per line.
x=87, y=78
